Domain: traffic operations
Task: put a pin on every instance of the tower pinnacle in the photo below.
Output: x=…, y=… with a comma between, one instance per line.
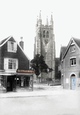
x=37, y=21
x=51, y=22
x=40, y=15
x=47, y=20
x=40, y=20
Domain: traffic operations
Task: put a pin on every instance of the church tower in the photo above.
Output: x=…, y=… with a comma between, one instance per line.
x=45, y=45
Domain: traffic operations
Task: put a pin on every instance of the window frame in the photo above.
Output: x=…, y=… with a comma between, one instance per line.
x=11, y=46
x=73, y=61
x=6, y=64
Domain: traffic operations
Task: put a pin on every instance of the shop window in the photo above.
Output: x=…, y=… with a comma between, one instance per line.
x=73, y=61
x=11, y=46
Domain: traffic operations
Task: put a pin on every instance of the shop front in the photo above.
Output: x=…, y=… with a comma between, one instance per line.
x=14, y=81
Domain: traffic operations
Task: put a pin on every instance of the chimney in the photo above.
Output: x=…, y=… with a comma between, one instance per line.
x=21, y=43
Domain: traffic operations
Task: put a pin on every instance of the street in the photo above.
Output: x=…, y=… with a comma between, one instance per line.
x=52, y=101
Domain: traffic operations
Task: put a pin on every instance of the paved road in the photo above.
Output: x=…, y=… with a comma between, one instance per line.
x=56, y=102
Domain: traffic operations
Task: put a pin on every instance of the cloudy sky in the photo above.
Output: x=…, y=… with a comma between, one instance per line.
x=18, y=19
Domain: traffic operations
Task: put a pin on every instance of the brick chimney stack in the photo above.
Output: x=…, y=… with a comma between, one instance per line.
x=21, y=43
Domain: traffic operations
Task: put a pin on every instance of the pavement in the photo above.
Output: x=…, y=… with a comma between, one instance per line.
x=38, y=90
x=43, y=100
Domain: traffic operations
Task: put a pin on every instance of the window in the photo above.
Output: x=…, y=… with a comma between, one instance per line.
x=44, y=34
x=73, y=61
x=72, y=48
x=12, y=46
x=10, y=64
x=47, y=34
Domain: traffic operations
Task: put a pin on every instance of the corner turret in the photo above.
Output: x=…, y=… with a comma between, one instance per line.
x=40, y=20
x=51, y=22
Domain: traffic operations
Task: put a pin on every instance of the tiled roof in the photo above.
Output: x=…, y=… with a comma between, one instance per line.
x=3, y=40
x=6, y=39
x=63, y=48
x=77, y=41
x=62, y=52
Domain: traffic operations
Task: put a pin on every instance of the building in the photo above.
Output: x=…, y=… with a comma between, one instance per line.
x=57, y=72
x=45, y=45
x=70, y=64
x=14, y=65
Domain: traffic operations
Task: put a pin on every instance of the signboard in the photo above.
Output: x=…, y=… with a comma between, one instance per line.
x=24, y=71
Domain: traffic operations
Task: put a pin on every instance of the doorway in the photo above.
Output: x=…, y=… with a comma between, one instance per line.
x=10, y=81
x=73, y=81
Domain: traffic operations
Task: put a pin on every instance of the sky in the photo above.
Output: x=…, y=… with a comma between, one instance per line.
x=18, y=19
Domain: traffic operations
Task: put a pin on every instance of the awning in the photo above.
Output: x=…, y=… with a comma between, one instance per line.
x=18, y=72
x=28, y=74
x=7, y=74
x=11, y=74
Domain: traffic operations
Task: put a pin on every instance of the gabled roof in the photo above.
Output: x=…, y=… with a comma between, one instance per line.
x=62, y=51
x=77, y=41
x=6, y=39
x=74, y=40
x=63, y=48
x=3, y=41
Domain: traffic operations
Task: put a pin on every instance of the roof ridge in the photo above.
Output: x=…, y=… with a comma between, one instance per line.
x=4, y=41
x=75, y=38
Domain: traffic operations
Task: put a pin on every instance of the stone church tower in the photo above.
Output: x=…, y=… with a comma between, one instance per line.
x=45, y=45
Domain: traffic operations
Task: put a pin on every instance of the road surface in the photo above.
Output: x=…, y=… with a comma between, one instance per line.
x=54, y=102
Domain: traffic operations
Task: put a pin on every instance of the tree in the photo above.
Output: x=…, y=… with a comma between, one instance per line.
x=39, y=65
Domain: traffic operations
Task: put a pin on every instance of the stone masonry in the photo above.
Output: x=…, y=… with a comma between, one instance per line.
x=45, y=45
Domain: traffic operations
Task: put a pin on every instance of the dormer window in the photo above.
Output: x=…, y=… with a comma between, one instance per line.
x=11, y=46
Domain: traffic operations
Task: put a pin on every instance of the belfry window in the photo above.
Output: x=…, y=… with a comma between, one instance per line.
x=44, y=34
x=47, y=34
